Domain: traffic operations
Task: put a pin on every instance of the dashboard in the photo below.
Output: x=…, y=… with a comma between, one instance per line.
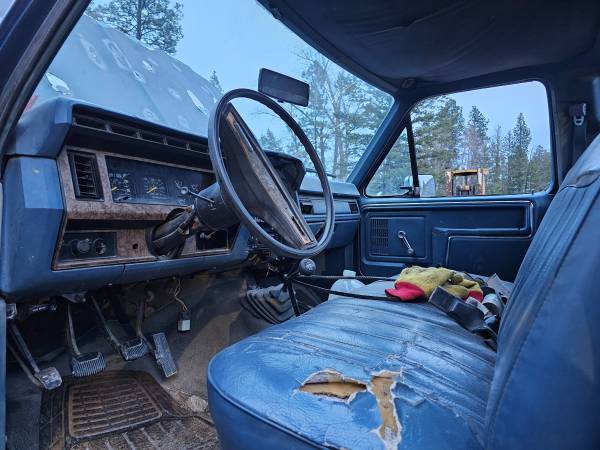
x=82, y=186
x=112, y=201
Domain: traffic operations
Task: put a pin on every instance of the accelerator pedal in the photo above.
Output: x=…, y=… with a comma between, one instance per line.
x=160, y=347
x=163, y=355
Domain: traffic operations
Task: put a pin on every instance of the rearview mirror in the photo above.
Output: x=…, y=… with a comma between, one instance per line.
x=282, y=87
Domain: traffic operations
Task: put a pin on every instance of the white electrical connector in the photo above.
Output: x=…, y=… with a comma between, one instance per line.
x=184, y=323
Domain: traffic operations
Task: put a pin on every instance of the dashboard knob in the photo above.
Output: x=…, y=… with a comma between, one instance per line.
x=81, y=247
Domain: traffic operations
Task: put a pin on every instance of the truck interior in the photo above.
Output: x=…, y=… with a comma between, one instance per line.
x=252, y=229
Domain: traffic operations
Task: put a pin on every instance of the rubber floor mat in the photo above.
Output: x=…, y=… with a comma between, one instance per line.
x=119, y=410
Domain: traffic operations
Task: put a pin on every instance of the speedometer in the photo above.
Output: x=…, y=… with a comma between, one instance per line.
x=122, y=186
x=155, y=187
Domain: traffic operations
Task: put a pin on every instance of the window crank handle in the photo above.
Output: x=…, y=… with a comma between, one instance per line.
x=402, y=237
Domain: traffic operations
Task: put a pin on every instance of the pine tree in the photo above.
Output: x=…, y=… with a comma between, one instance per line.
x=154, y=22
x=498, y=163
x=476, y=141
x=517, y=161
x=438, y=126
x=538, y=175
x=268, y=141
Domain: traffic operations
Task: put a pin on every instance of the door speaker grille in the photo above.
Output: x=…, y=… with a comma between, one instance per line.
x=379, y=237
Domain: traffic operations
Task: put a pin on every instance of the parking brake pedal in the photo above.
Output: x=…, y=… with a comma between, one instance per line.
x=131, y=349
x=86, y=364
x=49, y=378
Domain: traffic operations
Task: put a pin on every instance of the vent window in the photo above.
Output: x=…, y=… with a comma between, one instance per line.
x=84, y=170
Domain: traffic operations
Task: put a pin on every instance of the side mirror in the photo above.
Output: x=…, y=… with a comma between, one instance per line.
x=283, y=88
x=426, y=185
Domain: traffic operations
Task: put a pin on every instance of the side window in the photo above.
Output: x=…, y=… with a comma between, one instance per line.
x=393, y=177
x=493, y=141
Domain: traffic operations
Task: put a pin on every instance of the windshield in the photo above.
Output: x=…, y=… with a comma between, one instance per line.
x=169, y=62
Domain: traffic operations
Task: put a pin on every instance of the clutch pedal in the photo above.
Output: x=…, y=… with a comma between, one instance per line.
x=86, y=364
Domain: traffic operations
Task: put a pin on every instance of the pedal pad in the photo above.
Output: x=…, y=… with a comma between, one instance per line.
x=133, y=349
x=49, y=378
x=163, y=355
x=87, y=364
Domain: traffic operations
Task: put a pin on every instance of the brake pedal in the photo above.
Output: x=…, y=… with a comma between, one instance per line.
x=49, y=378
x=86, y=364
x=131, y=349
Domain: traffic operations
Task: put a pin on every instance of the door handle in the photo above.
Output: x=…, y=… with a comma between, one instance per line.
x=403, y=238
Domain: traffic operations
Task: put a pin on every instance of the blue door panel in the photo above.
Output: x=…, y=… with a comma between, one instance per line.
x=477, y=235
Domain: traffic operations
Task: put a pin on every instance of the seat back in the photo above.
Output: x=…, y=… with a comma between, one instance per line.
x=546, y=387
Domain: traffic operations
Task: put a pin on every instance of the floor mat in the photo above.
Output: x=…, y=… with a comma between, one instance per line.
x=119, y=410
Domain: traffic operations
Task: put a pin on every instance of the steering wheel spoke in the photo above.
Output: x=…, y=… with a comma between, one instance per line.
x=269, y=198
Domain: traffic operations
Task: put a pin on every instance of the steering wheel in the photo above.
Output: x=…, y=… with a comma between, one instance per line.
x=252, y=187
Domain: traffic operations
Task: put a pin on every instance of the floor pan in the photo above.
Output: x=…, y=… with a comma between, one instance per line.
x=119, y=410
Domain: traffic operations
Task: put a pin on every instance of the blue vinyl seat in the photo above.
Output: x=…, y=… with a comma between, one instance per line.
x=373, y=374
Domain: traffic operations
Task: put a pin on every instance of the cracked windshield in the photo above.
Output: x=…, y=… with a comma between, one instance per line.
x=169, y=62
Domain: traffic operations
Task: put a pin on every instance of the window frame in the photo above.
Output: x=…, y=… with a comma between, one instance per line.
x=406, y=124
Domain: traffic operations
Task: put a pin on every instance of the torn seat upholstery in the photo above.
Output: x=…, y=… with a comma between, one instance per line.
x=372, y=374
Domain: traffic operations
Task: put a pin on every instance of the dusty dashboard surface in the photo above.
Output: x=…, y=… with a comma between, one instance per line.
x=111, y=201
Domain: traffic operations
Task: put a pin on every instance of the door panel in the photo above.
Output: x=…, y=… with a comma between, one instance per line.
x=482, y=236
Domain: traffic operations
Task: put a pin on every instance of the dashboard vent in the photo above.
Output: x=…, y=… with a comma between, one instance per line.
x=135, y=131
x=379, y=237
x=84, y=170
x=353, y=207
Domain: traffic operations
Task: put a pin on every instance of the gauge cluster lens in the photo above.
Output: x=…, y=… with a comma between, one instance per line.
x=133, y=181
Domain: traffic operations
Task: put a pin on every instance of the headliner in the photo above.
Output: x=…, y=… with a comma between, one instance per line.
x=441, y=41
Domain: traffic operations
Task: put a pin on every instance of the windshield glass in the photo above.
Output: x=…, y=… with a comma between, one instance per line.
x=169, y=62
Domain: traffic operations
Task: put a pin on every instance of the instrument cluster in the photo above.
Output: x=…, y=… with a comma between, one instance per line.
x=133, y=181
